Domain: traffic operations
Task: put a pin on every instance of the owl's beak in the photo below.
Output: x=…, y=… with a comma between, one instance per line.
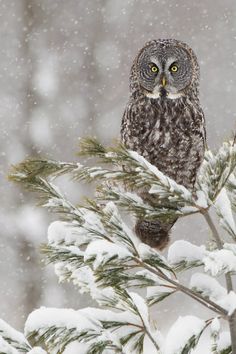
x=163, y=81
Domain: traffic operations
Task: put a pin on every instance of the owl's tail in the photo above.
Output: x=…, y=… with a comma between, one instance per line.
x=154, y=233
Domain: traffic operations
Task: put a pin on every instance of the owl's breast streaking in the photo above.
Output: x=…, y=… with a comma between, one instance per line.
x=163, y=122
x=169, y=133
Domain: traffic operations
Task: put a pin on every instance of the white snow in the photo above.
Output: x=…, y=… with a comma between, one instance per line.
x=146, y=251
x=228, y=302
x=72, y=232
x=37, y=350
x=141, y=307
x=232, y=179
x=202, y=200
x=166, y=181
x=7, y=331
x=219, y=261
x=189, y=209
x=6, y=348
x=131, y=235
x=84, y=278
x=224, y=210
x=148, y=346
x=180, y=333
x=230, y=247
x=185, y=251
x=114, y=216
x=91, y=220
x=103, y=250
x=47, y=317
x=208, y=286
x=215, y=326
x=59, y=231
x=76, y=348
x=56, y=202
x=88, y=318
x=224, y=341
x=111, y=209
x=125, y=316
x=215, y=262
x=157, y=291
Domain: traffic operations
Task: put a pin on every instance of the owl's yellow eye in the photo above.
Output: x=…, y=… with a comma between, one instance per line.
x=154, y=68
x=174, y=68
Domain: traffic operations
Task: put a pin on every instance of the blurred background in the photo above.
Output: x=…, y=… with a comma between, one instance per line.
x=64, y=74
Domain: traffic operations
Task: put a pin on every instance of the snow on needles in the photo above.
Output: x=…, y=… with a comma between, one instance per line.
x=224, y=341
x=215, y=326
x=211, y=288
x=7, y=331
x=228, y=302
x=166, y=181
x=6, y=348
x=88, y=319
x=215, y=262
x=49, y=317
x=224, y=210
x=219, y=261
x=59, y=231
x=185, y=251
x=181, y=332
x=104, y=250
x=37, y=350
x=208, y=286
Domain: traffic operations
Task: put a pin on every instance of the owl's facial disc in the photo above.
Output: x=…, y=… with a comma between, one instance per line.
x=164, y=71
x=164, y=90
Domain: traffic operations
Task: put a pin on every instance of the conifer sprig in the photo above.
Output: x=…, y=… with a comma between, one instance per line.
x=94, y=247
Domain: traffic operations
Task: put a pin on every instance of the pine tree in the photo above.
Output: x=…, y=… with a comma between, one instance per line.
x=95, y=247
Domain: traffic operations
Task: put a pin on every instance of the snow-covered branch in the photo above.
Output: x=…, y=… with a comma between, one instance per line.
x=95, y=248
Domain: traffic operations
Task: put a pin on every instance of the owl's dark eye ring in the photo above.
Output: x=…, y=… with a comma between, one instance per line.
x=174, y=68
x=153, y=68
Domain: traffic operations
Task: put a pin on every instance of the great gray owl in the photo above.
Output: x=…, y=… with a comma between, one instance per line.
x=163, y=120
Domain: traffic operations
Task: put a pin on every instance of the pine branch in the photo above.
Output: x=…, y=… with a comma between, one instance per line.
x=194, y=295
x=113, y=273
x=30, y=169
x=217, y=169
x=90, y=326
x=133, y=170
x=231, y=189
x=97, y=251
x=12, y=339
x=229, y=283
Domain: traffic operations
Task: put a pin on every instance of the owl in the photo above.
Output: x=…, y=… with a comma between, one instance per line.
x=164, y=122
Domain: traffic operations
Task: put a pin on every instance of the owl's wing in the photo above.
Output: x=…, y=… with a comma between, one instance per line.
x=201, y=117
x=137, y=123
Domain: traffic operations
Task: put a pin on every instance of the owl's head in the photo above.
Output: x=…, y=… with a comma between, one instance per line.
x=165, y=68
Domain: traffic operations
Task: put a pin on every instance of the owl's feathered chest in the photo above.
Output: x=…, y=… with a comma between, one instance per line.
x=168, y=133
